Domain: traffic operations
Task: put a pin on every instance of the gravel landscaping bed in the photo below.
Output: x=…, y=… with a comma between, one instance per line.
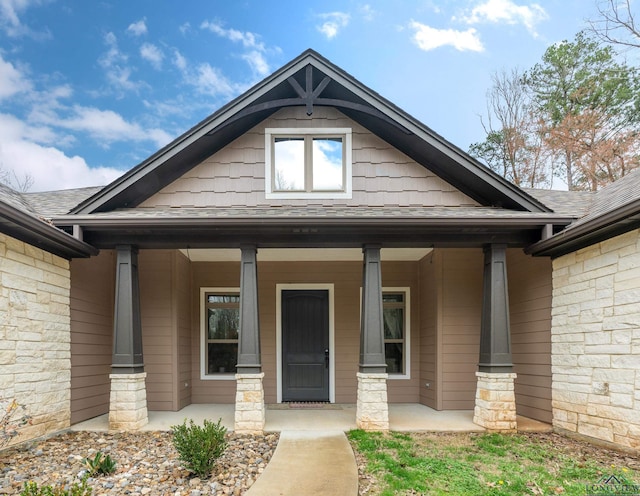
x=147, y=464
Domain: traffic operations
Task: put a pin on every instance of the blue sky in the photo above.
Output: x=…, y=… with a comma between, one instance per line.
x=88, y=89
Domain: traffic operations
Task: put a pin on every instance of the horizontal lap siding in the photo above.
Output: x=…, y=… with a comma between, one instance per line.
x=235, y=175
x=530, y=304
x=183, y=313
x=92, y=298
x=461, y=316
x=158, y=336
x=429, y=281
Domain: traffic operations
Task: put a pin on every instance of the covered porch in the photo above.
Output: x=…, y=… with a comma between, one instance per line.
x=454, y=296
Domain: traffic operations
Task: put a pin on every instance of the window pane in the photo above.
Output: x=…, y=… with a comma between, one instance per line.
x=222, y=358
x=393, y=297
x=393, y=357
x=288, y=170
x=223, y=298
x=393, y=323
x=327, y=164
x=223, y=323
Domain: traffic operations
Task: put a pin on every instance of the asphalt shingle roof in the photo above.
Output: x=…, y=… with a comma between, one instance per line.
x=16, y=200
x=612, y=197
x=54, y=203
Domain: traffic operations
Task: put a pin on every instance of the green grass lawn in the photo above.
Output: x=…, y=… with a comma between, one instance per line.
x=486, y=464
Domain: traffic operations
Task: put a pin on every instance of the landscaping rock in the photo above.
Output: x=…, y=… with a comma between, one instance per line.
x=147, y=464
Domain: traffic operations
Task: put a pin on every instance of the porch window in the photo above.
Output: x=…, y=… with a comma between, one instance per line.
x=395, y=313
x=220, y=323
x=308, y=163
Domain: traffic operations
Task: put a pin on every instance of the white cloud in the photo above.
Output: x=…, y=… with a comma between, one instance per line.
x=138, y=28
x=10, y=11
x=248, y=39
x=257, y=62
x=50, y=168
x=508, y=12
x=104, y=126
x=114, y=62
x=428, y=38
x=209, y=81
x=152, y=54
x=12, y=80
x=179, y=61
x=256, y=51
x=333, y=23
x=368, y=14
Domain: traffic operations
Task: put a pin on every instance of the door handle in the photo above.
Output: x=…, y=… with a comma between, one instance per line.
x=326, y=358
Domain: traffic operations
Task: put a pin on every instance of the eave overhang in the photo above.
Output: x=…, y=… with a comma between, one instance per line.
x=36, y=232
x=603, y=227
x=311, y=80
x=299, y=232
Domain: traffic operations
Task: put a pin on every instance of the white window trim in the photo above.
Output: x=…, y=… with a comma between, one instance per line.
x=203, y=341
x=407, y=338
x=332, y=359
x=270, y=132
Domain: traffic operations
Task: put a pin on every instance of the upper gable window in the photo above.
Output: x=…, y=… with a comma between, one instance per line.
x=308, y=163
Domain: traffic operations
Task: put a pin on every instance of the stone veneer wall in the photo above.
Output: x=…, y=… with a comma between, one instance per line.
x=596, y=341
x=35, y=366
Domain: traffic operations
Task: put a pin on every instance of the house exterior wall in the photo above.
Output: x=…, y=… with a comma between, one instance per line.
x=451, y=310
x=530, y=315
x=346, y=278
x=461, y=314
x=430, y=330
x=92, y=300
x=35, y=349
x=165, y=292
x=235, y=175
x=596, y=341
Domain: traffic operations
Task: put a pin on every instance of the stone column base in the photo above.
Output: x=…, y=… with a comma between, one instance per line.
x=250, y=411
x=495, y=402
x=372, y=409
x=128, y=402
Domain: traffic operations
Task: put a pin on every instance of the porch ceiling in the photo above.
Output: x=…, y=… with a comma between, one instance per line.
x=305, y=254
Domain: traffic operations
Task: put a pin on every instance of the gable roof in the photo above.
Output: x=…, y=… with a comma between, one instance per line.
x=310, y=80
x=615, y=209
x=20, y=220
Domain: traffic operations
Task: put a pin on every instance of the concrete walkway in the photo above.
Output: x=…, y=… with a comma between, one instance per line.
x=320, y=463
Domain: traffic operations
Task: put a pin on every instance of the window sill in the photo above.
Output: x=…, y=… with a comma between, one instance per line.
x=395, y=377
x=218, y=377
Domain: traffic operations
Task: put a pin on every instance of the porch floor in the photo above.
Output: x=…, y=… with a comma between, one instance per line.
x=330, y=417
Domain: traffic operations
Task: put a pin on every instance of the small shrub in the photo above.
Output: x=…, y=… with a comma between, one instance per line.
x=12, y=418
x=199, y=447
x=32, y=489
x=100, y=464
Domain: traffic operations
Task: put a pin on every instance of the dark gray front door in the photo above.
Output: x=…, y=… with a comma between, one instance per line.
x=305, y=345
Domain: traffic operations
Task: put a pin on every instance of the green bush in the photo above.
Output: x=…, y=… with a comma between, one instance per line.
x=199, y=447
x=32, y=489
x=100, y=464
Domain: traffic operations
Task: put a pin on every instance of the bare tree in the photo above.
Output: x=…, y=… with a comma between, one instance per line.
x=616, y=23
x=21, y=183
x=513, y=144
